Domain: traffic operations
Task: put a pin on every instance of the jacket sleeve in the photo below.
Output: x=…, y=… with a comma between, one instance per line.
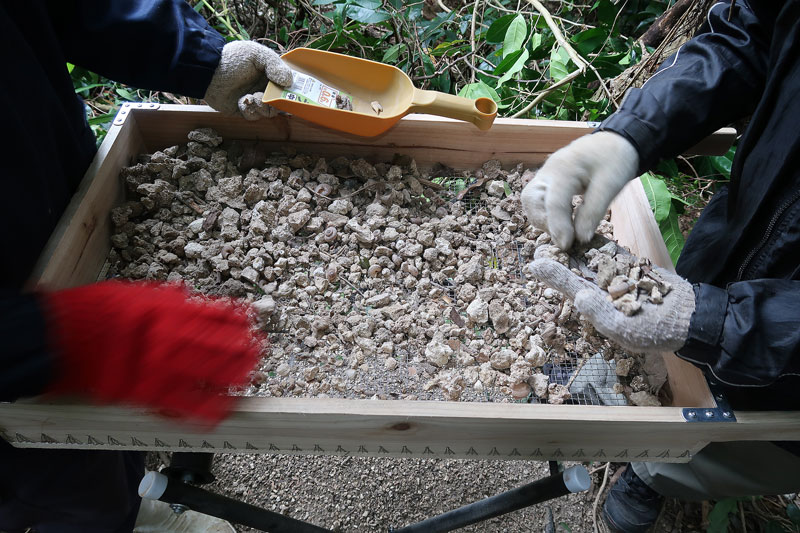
x=151, y=44
x=711, y=81
x=26, y=363
x=730, y=322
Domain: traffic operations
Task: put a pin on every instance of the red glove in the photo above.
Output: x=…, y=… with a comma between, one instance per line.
x=150, y=345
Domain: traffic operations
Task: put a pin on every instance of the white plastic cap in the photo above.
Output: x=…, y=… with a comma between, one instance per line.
x=153, y=485
x=576, y=478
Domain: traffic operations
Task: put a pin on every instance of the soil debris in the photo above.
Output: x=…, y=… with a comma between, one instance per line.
x=372, y=279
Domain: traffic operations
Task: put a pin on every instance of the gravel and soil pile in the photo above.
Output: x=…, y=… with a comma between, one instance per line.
x=374, y=280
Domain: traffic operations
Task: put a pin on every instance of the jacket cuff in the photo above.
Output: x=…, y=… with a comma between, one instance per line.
x=641, y=130
x=705, y=327
x=198, y=66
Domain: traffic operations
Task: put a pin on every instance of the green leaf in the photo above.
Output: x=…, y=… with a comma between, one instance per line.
x=369, y=4
x=658, y=195
x=515, y=35
x=322, y=2
x=673, y=238
x=590, y=40
x=535, y=41
x=70, y=66
x=507, y=188
x=516, y=67
x=723, y=163
x=366, y=15
x=125, y=93
x=497, y=31
x=718, y=519
x=393, y=52
x=101, y=119
x=507, y=63
x=668, y=167
x=481, y=90
x=793, y=512
x=565, y=526
x=558, y=64
x=475, y=90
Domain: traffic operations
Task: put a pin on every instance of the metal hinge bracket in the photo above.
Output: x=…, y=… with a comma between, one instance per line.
x=721, y=413
x=127, y=107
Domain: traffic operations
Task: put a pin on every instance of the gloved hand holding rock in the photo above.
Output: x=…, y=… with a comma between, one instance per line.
x=597, y=166
x=655, y=327
x=241, y=77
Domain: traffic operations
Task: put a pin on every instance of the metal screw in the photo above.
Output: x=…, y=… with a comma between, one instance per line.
x=692, y=414
x=178, y=508
x=139, y=105
x=727, y=414
x=709, y=414
x=719, y=397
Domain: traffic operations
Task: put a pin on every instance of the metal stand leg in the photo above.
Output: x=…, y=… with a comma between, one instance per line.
x=157, y=486
x=575, y=479
x=190, y=467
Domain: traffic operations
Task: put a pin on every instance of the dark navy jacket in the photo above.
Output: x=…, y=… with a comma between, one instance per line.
x=47, y=145
x=744, y=252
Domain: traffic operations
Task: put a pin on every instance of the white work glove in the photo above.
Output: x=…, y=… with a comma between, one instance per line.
x=654, y=328
x=597, y=166
x=241, y=77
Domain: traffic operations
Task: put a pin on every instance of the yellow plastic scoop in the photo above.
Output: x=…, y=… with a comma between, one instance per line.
x=364, y=97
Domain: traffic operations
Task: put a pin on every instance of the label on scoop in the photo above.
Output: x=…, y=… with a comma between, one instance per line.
x=309, y=90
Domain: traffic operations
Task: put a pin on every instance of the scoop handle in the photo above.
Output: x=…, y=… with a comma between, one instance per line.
x=480, y=111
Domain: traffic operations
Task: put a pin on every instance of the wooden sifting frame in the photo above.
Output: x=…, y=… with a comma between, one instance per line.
x=400, y=428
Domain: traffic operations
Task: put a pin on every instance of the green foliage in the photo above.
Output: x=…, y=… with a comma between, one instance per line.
x=719, y=517
x=666, y=215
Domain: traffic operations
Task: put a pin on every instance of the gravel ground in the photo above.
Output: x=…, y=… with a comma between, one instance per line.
x=366, y=494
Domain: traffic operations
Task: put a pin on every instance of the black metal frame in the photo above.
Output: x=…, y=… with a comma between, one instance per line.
x=188, y=469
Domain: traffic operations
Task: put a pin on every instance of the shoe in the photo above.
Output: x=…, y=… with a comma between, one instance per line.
x=158, y=517
x=631, y=505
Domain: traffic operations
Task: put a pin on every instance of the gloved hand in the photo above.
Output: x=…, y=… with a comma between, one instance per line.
x=654, y=328
x=241, y=77
x=150, y=345
x=597, y=166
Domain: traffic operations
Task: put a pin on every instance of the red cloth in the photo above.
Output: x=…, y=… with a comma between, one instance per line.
x=152, y=345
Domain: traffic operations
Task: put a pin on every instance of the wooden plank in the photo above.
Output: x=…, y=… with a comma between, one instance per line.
x=635, y=226
x=78, y=247
x=398, y=428
x=427, y=138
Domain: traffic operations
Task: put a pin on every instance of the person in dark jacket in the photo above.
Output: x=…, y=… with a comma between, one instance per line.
x=733, y=310
x=93, y=340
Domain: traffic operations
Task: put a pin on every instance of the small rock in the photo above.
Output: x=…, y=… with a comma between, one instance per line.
x=557, y=394
x=627, y=304
x=478, y=311
x=520, y=391
x=503, y=359
x=496, y=188
x=644, y=399
x=499, y=317
x=438, y=353
x=265, y=306
x=379, y=300
x=539, y=383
